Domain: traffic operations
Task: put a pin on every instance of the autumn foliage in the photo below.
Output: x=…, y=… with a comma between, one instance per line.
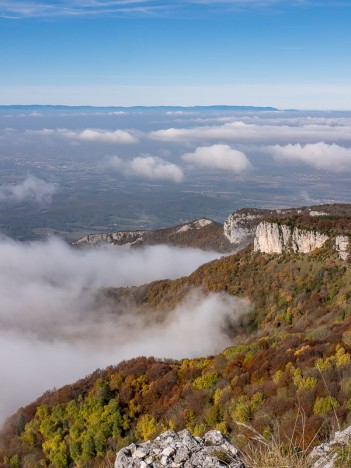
x=290, y=362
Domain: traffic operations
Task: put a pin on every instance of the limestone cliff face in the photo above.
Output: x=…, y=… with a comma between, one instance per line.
x=240, y=227
x=342, y=246
x=305, y=241
x=279, y=238
x=272, y=238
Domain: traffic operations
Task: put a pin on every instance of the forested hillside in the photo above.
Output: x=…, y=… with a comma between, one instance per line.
x=288, y=371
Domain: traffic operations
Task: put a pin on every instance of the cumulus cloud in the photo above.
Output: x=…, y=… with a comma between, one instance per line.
x=54, y=329
x=153, y=167
x=104, y=136
x=320, y=155
x=253, y=133
x=147, y=167
x=31, y=189
x=89, y=135
x=179, y=112
x=43, y=131
x=218, y=157
x=116, y=113
x=32, y=114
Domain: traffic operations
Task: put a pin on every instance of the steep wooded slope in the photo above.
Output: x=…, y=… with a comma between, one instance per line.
x=290, y=362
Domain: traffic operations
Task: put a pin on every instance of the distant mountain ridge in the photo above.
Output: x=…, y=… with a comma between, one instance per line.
x=201, y=233
x=160, y=108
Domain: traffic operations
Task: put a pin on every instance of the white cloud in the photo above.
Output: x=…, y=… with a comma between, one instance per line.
x=218, y=157
x=147, y=167
x=153, y=167
x=249, y=133
x=43, y=131
x=320, y=155
x=98, y=135
x=31, y=189
x=54, y=330
x=115, y=113
x=32, y=114
x=179, y=112
x=89, y=135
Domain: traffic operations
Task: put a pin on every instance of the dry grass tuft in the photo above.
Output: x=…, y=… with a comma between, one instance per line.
x=260, y=452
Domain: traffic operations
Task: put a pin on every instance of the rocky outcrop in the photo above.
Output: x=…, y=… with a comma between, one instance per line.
x=117, y=238
x=181, y=450
x=240, y=227
x=305, y=241
x=201, y=233
x=276, y=238
x=279, y=238
x=342, y=246
x=197, y=224
x=272, y=238
x=326, y=455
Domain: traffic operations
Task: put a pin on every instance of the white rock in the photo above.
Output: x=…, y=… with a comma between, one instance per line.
x=279, y=238
x=202, y=223
x=272, y=238
x=317, y=213
x=342, y=246
x=238, y=228
x=304, y=241
x=140, y=453
x=180, y=450
x=123, y=238
x=184, y=228
x=325, y=455
x=197, y=224
x=168, y=451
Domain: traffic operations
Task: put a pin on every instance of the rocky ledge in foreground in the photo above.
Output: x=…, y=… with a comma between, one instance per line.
x=181, y=449
x=331, y=454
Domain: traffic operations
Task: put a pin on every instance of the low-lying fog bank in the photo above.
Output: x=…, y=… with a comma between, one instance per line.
x=51, y=333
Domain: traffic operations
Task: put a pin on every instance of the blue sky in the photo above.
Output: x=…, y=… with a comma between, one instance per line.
x=284, y=53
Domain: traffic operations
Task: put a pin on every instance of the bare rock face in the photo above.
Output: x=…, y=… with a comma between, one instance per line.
x=117, y=238
x=342, y=246
x=272, y=238
x=181, y=450
x=240, y=227
x=279, y=238
x=304, y=241
x=326, y=455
